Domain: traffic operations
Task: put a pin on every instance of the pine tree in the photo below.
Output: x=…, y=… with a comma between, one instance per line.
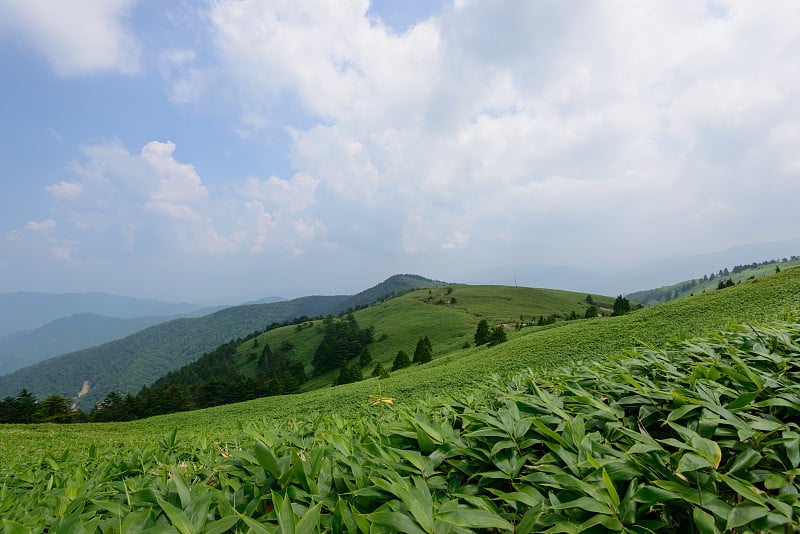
x=482, y=333
x=380, y=371
x=423, y=353
x=365, y=358
x=401, y=360
x=497, y=336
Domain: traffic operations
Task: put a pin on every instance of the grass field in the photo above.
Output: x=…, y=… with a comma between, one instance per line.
x=587, y=434
x=536, y=348
x=399, y=322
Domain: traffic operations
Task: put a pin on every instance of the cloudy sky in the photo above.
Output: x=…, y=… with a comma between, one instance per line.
x=232, y=149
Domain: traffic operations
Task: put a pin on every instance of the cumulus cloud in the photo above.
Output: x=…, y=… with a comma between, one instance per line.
x=152, y=204
x=63, y=189
x=503, y=124
x=38, y=237
x=77, y=38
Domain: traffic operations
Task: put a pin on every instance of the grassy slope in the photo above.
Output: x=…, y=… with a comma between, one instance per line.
x=536, y=348
x=404, y=319
x=711, y=285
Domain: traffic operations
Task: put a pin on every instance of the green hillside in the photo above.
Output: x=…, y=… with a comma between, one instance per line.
x=64, y=335
x=596, y=427
x=399, y=322
x=701, y=436
x=128, y=364
x=536, y=348
x=695, y=286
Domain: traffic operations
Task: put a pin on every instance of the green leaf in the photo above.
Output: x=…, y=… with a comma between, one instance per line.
x=183, y=490
x=396, y=520
x=744, y=489
x=742, y=401
x=254, y=525
x=474, y=518
x=588, y=504
x=283, y=508
x=612, y=491
x=704, y=521
x=221, y=525
x=744, y=514
x=692, y=462
x=309, y=523
x=176, y=516
x=267, y=460
x=744, y=460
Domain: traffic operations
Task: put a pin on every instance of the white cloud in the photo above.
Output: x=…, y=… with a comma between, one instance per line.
x=77, y=38
x=152, y=204
x=37, y=238
x=569, y=121
x=45, y=226
x=63, y=189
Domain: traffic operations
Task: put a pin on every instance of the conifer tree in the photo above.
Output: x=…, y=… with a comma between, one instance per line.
x=401, y=360
x=423, y=353
x=482, y=333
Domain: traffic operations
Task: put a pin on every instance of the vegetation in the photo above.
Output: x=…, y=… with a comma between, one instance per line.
x=701, y=436
x=423, y=353
x=401, y=361
x=709, y=282
x=128, y=364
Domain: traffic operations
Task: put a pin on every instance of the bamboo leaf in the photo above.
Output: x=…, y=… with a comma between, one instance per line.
x=176, y=516
x=744, y=514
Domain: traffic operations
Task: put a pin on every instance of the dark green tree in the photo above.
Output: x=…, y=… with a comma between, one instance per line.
x=482, y=333
x=348, y=373
x=589, y=300
x=380, y=371
x=424, y=351
x=365, y=358
x=25, y=407
x=497, y=336
x=401, y=360
x=621, y=306
x=53, y=409
x=591, y=311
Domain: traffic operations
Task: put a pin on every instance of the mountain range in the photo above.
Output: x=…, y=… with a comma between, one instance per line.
x=127, y=364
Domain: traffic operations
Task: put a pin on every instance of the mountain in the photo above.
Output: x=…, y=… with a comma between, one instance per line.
x=26, y=310
x=633, y=276
x=67, y=334
x=710, y=281
x=393, y=285
x=125, y=365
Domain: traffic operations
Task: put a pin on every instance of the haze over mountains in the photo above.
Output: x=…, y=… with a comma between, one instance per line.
x=28, y=310
x=134, y=361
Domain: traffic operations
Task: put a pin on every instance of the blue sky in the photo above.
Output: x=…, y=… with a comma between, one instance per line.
x=225, y=150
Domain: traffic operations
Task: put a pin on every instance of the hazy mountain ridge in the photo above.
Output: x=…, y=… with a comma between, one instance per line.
x=66, y=334
x=23, y=311
x=127, y=364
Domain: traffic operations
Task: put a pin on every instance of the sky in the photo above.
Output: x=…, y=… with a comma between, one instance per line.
x=209, y=151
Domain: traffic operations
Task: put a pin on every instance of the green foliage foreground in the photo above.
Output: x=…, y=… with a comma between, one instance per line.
x=701, y=436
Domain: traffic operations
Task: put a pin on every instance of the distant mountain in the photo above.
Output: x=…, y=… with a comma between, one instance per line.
x=391, y=286
x=711, y=281
x=26, y=310
x=79, y=331
x=125, y=365
x=608, y=280
x=266, y=300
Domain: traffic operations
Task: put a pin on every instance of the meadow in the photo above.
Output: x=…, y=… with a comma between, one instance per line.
x=267, y=464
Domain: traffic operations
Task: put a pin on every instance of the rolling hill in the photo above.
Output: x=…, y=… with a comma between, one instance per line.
x=709, y=282
x=23, y=311
x=67, y=334
x=602, y=424
x=125, y=365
